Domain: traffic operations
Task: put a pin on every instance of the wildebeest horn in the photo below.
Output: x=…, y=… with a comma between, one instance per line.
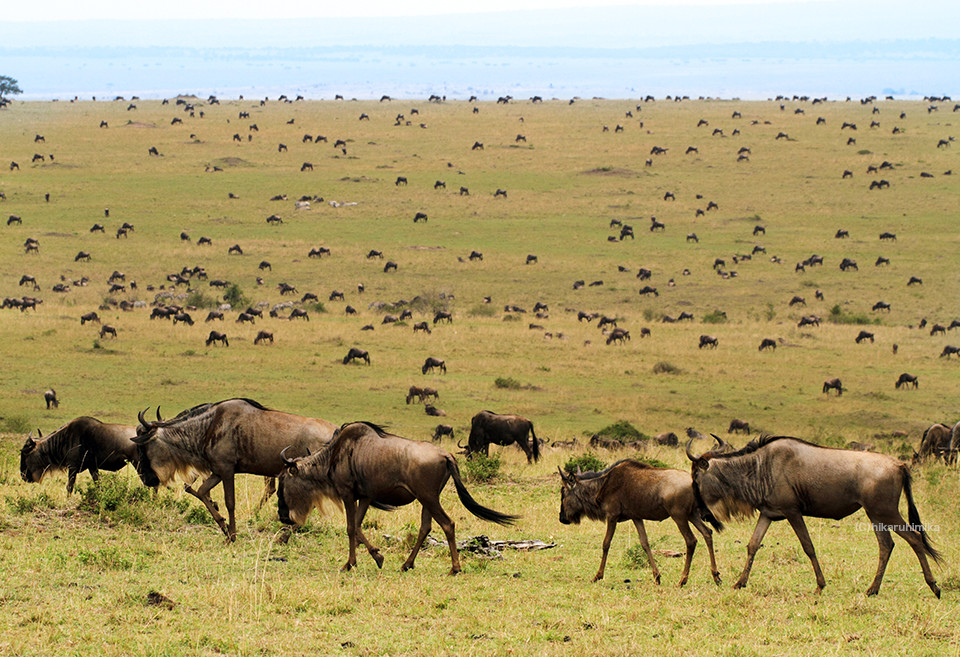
x=159, y=419
x=720, y=442
x=690, y=453
x=283, y=456
x=143, y=420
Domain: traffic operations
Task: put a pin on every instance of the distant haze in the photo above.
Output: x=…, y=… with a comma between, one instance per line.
x=750, y=51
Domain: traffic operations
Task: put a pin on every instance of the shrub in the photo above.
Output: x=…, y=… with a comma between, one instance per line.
x=481, y=468
x=317, y=307
x=235, y=297
x=116, y=497
x=485, y=310
x=24, y=505
x=663, y=367
x=587, y=462
x=715, y=317
x=198, y=299
x=622, y=431
x=839, y=316
x=507, y=383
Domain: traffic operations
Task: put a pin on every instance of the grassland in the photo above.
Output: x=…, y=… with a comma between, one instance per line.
x=76, y=578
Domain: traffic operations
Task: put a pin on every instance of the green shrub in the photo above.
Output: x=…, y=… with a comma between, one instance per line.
x=198, y=515
x=839, y=316
x=481, y=468
x=636, y=557
x=715, y=317
x=317, y=307
x=663, y=367
x=622, y=431
x=507, y=383
x=235, y=297
x=24, y=505
x=198, y=299
x=117, y=497
x=586, y=462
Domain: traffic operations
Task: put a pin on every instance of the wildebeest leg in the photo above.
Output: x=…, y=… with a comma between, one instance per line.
x=912, y=537
x=608, y=537
x=425, y=524
x=800, y=528
x=71, y=479
x=203, y=494
x=362, y=507
x=642, y=533
x=350, y=509
x=763, y=523
x=449, y=529
x=886, y=547
x=708, y=539
x=269, y=488
x=691, y=542
x=229, y=500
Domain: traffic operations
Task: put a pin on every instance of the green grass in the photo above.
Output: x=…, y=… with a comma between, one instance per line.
x=79, y=571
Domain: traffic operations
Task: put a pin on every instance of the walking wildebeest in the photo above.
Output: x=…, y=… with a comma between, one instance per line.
x=906, y=380
x=50, y=397
x=631, y=490
x=430, y=363
x=263, y=336
x=833, y=384
x=364, y=465
x=488, y=428
x=356, y=353
x=217, y=336
x=739, y=425
x=442, y=430
x=708, y=341
x=84, y=443
x=787, y=478
x=221, y=440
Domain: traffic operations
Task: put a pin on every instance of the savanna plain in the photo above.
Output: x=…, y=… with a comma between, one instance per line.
x=112, y=570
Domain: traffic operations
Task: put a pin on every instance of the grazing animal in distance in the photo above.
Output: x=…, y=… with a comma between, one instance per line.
x=50, y=397
x=432, y=363
x=363, y=465
x=84, y=443
x=739, y=425
x=863, y=335
x=708, y=341
x=833, y=384
x=263, y=336
x=768, y=343
x=442, y=430
x=217, y=336
x=906, y=380
x=936, y=442
x=488, y=428
x=356, y=353
x=787, y=478
x=631, y=490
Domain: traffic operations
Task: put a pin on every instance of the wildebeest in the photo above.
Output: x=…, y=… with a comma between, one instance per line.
x=768, y=343
x=299, y=313
x=881, y=305
x=708, y=341
x=421, y=393
x=907, y=380
x=863, y=335
x=184, y=318
x=221, y=440
x=432, y=363
x=235, y=250
x=89, y=317
x=84, y=443
x=358, y=354
x=949, y=350
x=618, y=335
x=82, y=255
x=443, y=316
x=422, y=326
x=631, y=490
x=217, y=336
x=14, y=219
x=50, y=397
x=419, y=216
x=106, y=330
x=833, y=384
x=739, y=425
x=936, y=442
x=787, y=478
x=488, y=428
x=364, y=465
x=263, y=336
x=214, y=314
x=848, y=263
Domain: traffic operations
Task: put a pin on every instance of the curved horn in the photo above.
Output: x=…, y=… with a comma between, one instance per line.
x=283, y=456
x=159, y=419
x=39, y=433
x=690, y=453
x=720, y=442
x=459, y=446
x=143, y=421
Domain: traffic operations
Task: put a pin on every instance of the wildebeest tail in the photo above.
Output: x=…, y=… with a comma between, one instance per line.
x=472, y=505
x=536, y=444
x=914, y=516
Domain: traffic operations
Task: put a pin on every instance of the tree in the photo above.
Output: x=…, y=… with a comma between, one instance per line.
x=8, y=87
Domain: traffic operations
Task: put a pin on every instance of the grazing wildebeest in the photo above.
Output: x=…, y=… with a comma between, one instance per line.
x=631, y=490
x=618, y=335
x=475, y=255
x=421, y=393
x=235, y=249
x=739, y=425
x=401, y=180
x=647, y=289
x=221, y=440
x=217, y=336
x=299, y=313
x=708, y=341
x=864, y=335
x=477, y=146
x=84, y=443
x=531, y=259
x=373, y=253
x=439, y=185
x=50, y=397
x=500, y=193
x=443, y=316
x=949, y=350
x=433, y=363
x=906, y=380
x=362, y=466
x=422, y=326
x=768, y=343
x=97, y=228
x=336, y=295
x=419, y=216
x=214, y=314
x=14, y=219
x=915, y=280
x=274, y=219
x=881, y=305
x=881, y=261
x=26, y=279
x=82, y=255
x=89, y=317
x=488, y=428
x=357, y=353
x=106, y=330
x=888, y=236
x=245, y=317
x=433, y=411
x=936, y=442
x=306, y=166
x=464, y=191
x=263, y=336
x=833, y=384
x=183, y=317
x=848, y=263
x=786, y=478
x=797, y=300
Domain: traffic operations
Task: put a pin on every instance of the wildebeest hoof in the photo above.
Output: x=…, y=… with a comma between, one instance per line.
x=739, y=584
x=453, y=571
x=716, y=579
x=597, y=577
x=377, y=557
x=405, y=567
x=346, y=567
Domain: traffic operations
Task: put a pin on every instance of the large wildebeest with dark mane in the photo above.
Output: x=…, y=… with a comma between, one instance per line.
x=362, y=466
x=221, y=440
x=784, y=478
x=488, y=428
x=84, y=443
x=631, y=490
x=936, y=442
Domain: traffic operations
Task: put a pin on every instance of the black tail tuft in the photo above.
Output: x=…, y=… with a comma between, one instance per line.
x=914, y=517
x=471, y=504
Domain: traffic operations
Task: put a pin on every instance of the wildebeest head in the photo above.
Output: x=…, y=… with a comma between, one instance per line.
x=578, y=497
x=154, y=466
x=31, y=470
x=303, y=484
x=711, y=491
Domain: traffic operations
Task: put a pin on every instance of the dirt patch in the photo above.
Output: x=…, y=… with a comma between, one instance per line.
x=139, y=124
x=232, y=162
x=610, y=171
x=427, y=248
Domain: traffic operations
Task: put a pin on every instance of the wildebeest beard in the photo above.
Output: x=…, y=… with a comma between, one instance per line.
x=738, y=485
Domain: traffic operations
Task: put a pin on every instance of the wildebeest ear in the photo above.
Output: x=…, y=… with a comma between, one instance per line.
x=144, y=438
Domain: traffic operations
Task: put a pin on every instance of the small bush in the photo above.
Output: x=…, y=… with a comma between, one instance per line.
x=480, y=468
x=198, y=515
x=586, y=462
x=715, y=317
x=636, y=557
x=24, y=505
x=115, y=497
x=656, y=463
x=16, y=424
x=622, y=431
x=507, y=383
x=511, y=318
x=235, y=297
x=839, y=316
x=317, y=307
x=663, y=367
x=198, y=299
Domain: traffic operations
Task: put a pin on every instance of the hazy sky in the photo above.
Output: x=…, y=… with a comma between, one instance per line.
x=47, y=10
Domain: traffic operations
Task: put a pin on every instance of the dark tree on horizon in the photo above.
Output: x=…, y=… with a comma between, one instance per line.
x=8, y=87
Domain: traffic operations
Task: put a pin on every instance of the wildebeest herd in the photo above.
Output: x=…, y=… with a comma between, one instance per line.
x=314, y=460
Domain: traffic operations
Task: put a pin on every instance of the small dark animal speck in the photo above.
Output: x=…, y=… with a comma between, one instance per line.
x=347, y=644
